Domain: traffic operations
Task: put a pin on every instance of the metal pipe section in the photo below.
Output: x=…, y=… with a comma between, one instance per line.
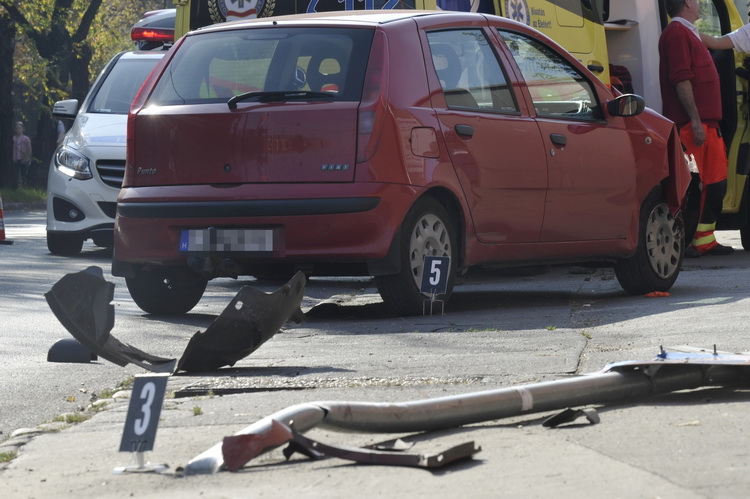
x=457, y=410
x=305, y=417
x=447, y=412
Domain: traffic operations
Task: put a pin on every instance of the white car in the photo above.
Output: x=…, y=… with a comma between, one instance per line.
x=86, y=171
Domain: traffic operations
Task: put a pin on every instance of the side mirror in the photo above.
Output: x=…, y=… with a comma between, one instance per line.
x=65, y=108
x=626, y=105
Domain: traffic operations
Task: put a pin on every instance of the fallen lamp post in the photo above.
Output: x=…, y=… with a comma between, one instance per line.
x=681, y=369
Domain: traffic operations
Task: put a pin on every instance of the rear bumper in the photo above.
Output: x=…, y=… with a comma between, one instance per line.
x=254, y=208
x=316, y=223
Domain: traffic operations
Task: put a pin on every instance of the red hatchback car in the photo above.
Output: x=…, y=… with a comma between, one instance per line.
x=359, y=143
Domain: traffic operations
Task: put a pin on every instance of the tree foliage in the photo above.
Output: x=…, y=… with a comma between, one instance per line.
x=60, y=46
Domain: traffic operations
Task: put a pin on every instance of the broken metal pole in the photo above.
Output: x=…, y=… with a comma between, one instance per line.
x=625, y=381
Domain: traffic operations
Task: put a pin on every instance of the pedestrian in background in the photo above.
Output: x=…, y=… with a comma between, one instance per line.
x=691, y=92
x=21, y=155
x=60, y=131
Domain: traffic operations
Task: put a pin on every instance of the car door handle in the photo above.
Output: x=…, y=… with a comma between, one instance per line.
x=558, y=139
x=464, y=130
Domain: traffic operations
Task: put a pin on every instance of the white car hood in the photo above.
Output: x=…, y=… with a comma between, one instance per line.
x=97, y=130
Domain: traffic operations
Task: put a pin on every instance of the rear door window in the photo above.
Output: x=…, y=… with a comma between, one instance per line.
x=214, y=67
x=469, y=72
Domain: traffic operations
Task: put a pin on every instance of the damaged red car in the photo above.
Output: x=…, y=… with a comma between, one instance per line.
x=360, y=143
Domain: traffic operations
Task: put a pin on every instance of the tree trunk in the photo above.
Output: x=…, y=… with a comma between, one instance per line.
x=43, y=147
x=79, y=71
x=7, y=47
x=68, y=57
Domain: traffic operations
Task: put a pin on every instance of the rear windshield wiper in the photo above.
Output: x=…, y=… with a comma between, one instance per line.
x=279, y=96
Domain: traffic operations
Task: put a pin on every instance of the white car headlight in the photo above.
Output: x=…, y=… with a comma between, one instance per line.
x=72, y=163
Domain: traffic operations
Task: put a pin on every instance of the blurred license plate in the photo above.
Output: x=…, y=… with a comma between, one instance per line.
x=227, y=240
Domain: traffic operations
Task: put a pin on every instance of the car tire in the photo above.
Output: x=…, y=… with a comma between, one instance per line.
x=64, y=244
x=427, y=230
x=166, y=291
x=745, y=237
x=103, y=240
x=661, y=247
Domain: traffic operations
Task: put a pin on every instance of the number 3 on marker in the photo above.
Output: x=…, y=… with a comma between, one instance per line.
x=147, y=394
x=144, y=410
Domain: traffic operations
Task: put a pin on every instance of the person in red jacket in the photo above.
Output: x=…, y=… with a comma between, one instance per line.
x=691, y=96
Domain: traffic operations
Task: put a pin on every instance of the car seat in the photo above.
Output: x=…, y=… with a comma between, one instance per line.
x=326, y=71
x=448, y=69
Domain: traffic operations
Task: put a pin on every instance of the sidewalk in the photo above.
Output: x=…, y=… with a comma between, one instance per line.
x=41, y=206
x=519, y=458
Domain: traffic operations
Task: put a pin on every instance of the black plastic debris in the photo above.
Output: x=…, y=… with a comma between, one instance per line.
x=70, y=350
x=82, y=303
x=249, y=320
x=570, y=415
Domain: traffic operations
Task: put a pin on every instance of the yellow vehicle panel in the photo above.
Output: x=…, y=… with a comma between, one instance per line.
x=577, y=26
x=192, y=14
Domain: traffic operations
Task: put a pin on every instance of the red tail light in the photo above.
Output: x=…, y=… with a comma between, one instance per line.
x=161, y=35
x=374, y=97
x=129, y=151
x=138, y=102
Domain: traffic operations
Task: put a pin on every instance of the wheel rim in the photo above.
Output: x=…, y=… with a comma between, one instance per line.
x=430, y=237
x=663, y=244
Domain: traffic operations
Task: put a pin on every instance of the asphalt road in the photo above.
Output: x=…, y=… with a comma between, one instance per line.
x=501, y=329
x=34, y=390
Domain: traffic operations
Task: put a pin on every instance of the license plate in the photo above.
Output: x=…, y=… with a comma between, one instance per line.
x=227, y=240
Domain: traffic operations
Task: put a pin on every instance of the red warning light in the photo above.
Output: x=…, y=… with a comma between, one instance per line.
x=152, y=34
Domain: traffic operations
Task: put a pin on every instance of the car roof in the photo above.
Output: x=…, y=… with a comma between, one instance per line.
x=141, y=54
x=358, y=17
x=162, y=18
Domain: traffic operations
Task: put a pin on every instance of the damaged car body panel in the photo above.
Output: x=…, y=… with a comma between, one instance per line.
x=249, y=320
x=235, y=450
x=82, y=302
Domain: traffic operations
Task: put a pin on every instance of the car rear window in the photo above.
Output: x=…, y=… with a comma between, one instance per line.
x=214, y=67
x=120, y=85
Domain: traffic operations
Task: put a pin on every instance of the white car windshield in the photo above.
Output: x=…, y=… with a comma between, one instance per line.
x=121, y=84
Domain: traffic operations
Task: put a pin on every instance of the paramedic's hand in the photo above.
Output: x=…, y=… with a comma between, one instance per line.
x=699, y=133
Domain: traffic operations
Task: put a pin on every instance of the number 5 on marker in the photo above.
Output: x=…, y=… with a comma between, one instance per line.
x=143, y=413
x=435, y=274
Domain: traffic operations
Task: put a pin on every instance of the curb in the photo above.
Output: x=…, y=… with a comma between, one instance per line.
x=36, y=206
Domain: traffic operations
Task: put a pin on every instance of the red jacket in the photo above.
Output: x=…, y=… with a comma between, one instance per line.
x=684, y=57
